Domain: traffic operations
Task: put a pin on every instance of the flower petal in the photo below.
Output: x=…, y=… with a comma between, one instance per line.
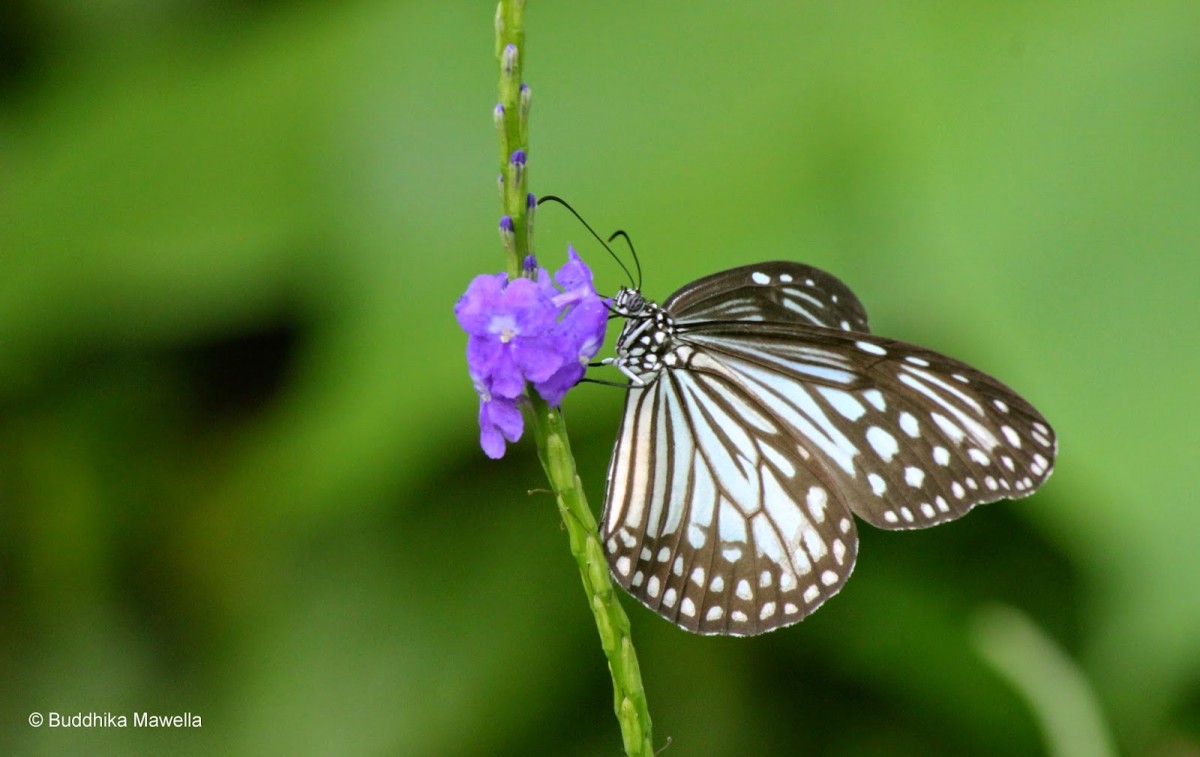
x=482, y=354
x=538, y=358
x=506, y=416
x=556, y=387
x=506, y=377
x=475, y=308
x=574, y=274
x=533, y=313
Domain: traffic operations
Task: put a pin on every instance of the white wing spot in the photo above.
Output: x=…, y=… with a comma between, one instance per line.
x=839, y=551
x=760, y=278
x=884, y=443
x=787, y=581
x=731, y=554
x=958, y=490
x=829, y=578
x=790, y=608
x=1008, y=462
x=637, y=579
x=941, y=455
x=786, y=278
x=917, y=361
x=1000, y=405
x=717, y=584
x=878, y=485
x=1040, y=438
x=698, y=576
x=927, y=510
x=951, y=429
x=959, y=378
x=739, y=616
x=875, y=397
x=845, y=325
x=971, y=484
x=990, y=482
x=1041, y=428
x=906, y=514
x=811, y=593
x=843, y=402
x=764, y=579
x=942, y=504
x=669, y=598
x=653, y=586
x=623, y=565
x=978, y=456
x=677, y=568
x=664, y=554
x=646, y=553
x=844, y=525
x=627, y=538
x=743, y=589
x=914, y=477
x=817, y=499
x=870, y=347
x=775, y=456
x=714, y=613
x=767, y=611
x=909, y=424
x=611, y=544
x=688, y=607
x=1011, y=436
x=890, y=516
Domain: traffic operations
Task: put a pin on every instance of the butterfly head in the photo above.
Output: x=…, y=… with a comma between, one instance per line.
x=629, y=303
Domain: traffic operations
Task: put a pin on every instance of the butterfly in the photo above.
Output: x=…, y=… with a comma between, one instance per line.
x=761, y=417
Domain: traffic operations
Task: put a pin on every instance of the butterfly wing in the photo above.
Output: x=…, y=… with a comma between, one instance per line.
x=910, y=437
x=713, y=518
x=737, y=467
x=773, y=291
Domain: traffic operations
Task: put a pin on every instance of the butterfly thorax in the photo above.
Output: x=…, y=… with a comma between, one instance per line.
x=646, y=344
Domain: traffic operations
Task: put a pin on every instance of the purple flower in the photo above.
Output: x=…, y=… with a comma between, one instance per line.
x=499, y=419
x=575, y=279
x=578, y=337
x=508, y=322
x=541, y=330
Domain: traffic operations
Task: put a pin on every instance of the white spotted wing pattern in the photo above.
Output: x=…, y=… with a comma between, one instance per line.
x=761, y=415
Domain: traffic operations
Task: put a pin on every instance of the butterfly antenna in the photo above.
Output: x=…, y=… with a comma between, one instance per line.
x=636, y=260
x=565, y=204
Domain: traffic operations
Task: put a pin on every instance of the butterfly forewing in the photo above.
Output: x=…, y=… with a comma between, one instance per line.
x=776, y=291
x=763, y=413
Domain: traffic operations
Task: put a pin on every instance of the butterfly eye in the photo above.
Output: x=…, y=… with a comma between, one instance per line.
x=767, y=419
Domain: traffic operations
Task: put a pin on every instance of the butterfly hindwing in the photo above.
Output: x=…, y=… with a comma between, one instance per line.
x=722, y=527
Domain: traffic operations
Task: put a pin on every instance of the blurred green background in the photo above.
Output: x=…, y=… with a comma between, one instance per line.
x=239, y=465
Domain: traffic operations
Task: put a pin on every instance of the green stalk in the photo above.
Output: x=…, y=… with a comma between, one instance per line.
x=547, y=424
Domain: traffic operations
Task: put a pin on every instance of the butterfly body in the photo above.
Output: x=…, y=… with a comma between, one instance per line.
x=761, y=416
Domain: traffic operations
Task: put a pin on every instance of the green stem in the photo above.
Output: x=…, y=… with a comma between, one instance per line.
x=548, y=426
x=629, y=697
x=514, y=133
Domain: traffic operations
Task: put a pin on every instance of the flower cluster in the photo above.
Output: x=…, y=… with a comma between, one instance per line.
x=538, y=329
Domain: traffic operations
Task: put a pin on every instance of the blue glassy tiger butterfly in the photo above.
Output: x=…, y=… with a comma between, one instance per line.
x=761, y=416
